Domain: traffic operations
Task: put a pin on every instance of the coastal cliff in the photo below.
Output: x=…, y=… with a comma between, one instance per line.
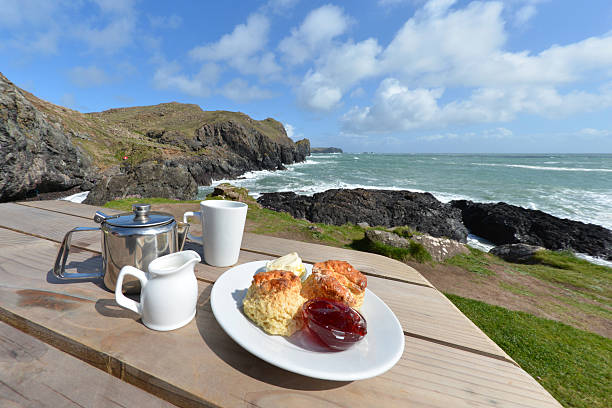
x=38, y=156
x=52, y=148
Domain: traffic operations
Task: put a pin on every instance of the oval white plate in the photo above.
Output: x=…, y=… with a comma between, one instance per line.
x=381, y=348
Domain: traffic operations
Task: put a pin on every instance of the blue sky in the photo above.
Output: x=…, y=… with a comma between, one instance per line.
x=382, y=76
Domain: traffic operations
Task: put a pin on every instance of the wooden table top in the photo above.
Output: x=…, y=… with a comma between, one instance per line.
x=447, y=361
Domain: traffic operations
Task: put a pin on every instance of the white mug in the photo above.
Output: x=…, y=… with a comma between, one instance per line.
x=169, y=291
x=222, y=228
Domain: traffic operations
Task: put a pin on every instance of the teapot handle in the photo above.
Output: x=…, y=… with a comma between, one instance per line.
x=59, y=269
x=121, y=299
x=199, y=240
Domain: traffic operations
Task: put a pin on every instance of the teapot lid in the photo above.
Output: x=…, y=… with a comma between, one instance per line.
x=142, y=216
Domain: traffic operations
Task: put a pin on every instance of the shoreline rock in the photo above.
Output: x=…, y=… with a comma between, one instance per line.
x=421, y=211
x=503, y=223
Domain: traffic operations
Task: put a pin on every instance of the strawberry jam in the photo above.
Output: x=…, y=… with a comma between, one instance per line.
x=337, y=325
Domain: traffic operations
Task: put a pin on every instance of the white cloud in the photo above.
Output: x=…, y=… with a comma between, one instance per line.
x=110, y=38
x=524, y=14
x=280, y=6
x=172, y=21
x=595, y=132
x=315, y=33
x=241, y=48
x=239, y=90
x=396, y=107
x=168, y=76
x=116, y=6
x=318, y=93
x=90, y=76
x=289, y=129
x=338, y=71
x=244, y=41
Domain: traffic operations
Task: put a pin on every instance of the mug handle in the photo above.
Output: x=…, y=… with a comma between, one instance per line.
x=199, y=240
x=121, y=299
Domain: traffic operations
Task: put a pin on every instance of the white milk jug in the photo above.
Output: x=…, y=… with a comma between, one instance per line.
x=169, y=291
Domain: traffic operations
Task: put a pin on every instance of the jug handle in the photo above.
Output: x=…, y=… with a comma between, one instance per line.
x=59, y=269
x=199, y=240
x=121, y=299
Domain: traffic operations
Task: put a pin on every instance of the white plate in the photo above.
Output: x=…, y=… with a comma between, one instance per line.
x=381, y=348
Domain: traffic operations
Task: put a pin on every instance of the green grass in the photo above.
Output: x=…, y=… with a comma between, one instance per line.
x=126, y=203
x=476, y=261
x=516, y=289
x=416, y=251
x=573, y=365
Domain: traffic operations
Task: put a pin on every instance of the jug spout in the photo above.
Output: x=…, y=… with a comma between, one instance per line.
x=175, y=262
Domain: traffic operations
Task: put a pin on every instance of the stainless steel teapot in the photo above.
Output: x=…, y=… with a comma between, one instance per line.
x=133, y=239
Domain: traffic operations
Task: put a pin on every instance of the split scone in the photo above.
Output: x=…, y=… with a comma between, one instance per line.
x=273, y=302
x=336, y=280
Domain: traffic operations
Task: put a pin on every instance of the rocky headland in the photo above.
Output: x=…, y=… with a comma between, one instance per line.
x=326, y=150
x=162, y=150
x=500, y=223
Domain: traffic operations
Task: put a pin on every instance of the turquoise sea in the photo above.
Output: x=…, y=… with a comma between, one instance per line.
x=577, y=187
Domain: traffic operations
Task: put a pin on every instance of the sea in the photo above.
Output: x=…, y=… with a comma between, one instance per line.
x=573, y=186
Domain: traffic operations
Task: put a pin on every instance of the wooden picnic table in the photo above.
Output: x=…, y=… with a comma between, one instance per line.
x=447, y=360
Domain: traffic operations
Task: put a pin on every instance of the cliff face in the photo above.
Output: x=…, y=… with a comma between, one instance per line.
x=37, y=156
x=48, y=148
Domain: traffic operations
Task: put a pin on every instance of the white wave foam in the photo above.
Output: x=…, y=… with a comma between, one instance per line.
x=546, y=168
x=77, y=198
x=479, y=243
x=594, y=260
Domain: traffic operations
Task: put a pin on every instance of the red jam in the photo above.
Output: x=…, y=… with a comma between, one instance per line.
x=337, y=325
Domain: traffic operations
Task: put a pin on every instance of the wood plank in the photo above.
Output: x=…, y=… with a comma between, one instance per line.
x=369, y=263
x=69, y=208
x=33, y=373
x=366, y=262
x=200, y=364
x=50, y=225
x=422, y=311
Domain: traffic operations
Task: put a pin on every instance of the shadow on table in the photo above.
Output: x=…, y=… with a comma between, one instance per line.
x=240, y=359
x=90, y=265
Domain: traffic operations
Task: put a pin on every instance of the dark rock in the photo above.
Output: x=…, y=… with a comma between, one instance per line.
x=517, y=253
x=503, y=223
x=36, y=155
x=148, y=179
x=325, y=150
x=420, y=211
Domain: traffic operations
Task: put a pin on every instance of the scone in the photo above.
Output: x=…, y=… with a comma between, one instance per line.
x=273, y=302
x=336, y=280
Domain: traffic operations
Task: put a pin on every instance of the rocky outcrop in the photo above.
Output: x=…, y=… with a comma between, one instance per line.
x=148, y=179
x=228, y=192
x=440, y=249
x=516, y=253
x=420, y=211
x=503, y=223
x=36, y=155
x=326, y=150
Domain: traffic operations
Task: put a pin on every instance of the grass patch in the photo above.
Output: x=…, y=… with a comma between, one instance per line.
x=126, y=203
x=572, y=364
x=476, y=261
x=415, y=252
x=516, y=289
